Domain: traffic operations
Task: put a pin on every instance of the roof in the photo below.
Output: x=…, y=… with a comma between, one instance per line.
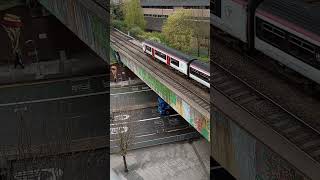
x=154, y=23
x=201, y=65
x=298, y=12
x=175, y=3
x=171, y=51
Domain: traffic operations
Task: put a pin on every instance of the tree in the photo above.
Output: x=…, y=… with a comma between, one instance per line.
x=133, y=15
x=201, y=33
x=123, y=129
x=178, y=30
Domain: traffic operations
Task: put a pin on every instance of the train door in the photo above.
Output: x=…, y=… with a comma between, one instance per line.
x=168, y=60
x=153, y=53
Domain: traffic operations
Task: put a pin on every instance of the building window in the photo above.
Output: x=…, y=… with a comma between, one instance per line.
x=158, y=7
x=175, y=62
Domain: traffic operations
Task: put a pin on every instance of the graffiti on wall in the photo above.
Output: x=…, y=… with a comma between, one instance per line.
x=193, y=117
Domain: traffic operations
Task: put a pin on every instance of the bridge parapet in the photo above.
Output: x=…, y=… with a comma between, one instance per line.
x=195, y=115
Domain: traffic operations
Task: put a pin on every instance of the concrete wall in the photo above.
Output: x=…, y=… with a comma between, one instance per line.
x=85, y=19
x=244, y=156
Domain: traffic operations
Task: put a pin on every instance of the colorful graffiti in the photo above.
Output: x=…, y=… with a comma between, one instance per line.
x=194, y=118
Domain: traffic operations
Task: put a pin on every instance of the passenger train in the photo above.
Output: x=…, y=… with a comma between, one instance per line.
x=189, y=66
x=286, y=30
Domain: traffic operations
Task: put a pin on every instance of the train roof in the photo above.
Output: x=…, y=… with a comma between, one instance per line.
x=175, y=3
x=171, y=51
x=303, y=13
x=202, y=65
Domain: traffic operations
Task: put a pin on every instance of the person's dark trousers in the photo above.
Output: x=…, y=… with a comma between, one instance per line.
x=18, y=60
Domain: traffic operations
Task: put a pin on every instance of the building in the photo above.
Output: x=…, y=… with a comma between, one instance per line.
x=156, y=11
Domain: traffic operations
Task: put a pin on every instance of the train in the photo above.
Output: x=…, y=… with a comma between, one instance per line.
x=288, y=31
x=185, y=64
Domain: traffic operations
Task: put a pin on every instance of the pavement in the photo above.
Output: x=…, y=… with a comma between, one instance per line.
x=176, y=161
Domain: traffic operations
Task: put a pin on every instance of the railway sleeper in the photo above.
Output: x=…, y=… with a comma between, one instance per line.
x=311, y=143
x=248, y=99
x=239, y=94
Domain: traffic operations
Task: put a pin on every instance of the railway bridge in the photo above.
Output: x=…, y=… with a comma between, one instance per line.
x=87, y=17
x=251, y=136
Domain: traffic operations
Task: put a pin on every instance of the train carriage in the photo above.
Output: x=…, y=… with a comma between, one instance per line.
x=171, y=57
x=200, y=72
x=230, y=16
x=183, y=63
x=289, y=32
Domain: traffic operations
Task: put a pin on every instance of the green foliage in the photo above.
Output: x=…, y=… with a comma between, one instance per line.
x=119, y=25
x=177, y=30
x=133, y=15
x=136, y=31
x=155, y=36
x=116, y=11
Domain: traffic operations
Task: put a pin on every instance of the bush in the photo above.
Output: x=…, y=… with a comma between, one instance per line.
x=136, y=31
x=119, y=25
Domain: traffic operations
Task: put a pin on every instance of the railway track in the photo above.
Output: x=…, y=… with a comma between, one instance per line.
x=302, y=135
x=197, y=94
x=300, y=82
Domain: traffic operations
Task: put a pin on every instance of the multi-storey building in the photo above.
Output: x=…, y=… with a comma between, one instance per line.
x=156, y=11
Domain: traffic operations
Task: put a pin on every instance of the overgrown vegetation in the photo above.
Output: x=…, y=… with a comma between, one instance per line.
x=179, y=31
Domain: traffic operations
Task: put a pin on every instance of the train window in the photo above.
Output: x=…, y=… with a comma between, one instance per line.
x=318, y=57
x=301, y=49
x=215, y=7
x=270, y=33
x=199, y=74
x=163, y=56
x=175, y=62
x=273, y=30
x=148, y=48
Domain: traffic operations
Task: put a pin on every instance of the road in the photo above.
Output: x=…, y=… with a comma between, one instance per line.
x=80, y=166
x=136, y=110
x=54, y=110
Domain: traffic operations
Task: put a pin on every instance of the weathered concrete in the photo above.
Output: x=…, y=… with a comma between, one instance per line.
x=246, y=157
x=86, y=19
x=177, y=161
x=197, y=116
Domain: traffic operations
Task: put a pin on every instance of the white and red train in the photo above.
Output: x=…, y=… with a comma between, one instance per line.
x=286, y=30
x=183, y=63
